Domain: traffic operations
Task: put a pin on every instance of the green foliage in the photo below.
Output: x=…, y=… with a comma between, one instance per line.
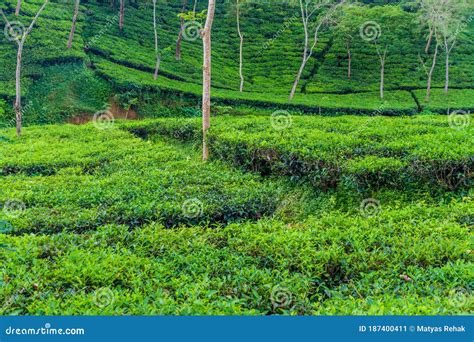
x=365, y=153
x=109, y=176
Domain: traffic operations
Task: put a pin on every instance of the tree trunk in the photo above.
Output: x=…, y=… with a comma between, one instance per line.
x=305, y=53
x=446, y=83
x=382, y=78
x=430, y=73
x=73, y=27
x=206, y=74
x=178, y=41
x=349, y=63
x=18, y=7
x=430, y=38
x=21, y=43
x=298, y=76
x=241, y=58
x=157, y=67
x=158, y=59
x=18, y=89
x=113, y=5
x=122, y=14
x=382, y=58
x=180, y=33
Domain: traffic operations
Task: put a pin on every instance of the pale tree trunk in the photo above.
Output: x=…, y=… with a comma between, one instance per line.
x=20, y=42
x=382, y=79
x=18, y=7
x=18, y=112
x=206, y=75
x=122, y=14
x=306, y=14
x=74, y=20
x=298, y=76
x=430, y=38
x=446, y=83
x=349, y=60
x=158, y=59
x=241, y=57
x=305, y=51
x=180, y=33
x=448, y=50
x=430, y=73
x=382, y=57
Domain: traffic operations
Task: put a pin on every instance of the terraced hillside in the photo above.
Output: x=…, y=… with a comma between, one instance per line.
x=272, y=54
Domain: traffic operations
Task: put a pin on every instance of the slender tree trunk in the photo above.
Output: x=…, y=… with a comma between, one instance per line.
x=430, y=38
x=241, y=57
x=382, y=79
x=446, y=83
x=448, y=52
x=157, y=52
x=113, y=5
x=430, y=73
x=21, y=43
x=18, y=89
x=122, y=14
x=180, y=33
x=206, y=74
x=382, y=58
x=349, y=63
x=74, y=20
x=18, y=7
x=298, y=76
x=305, y=53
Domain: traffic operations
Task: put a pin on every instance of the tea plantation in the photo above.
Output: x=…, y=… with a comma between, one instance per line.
x=335, y=203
